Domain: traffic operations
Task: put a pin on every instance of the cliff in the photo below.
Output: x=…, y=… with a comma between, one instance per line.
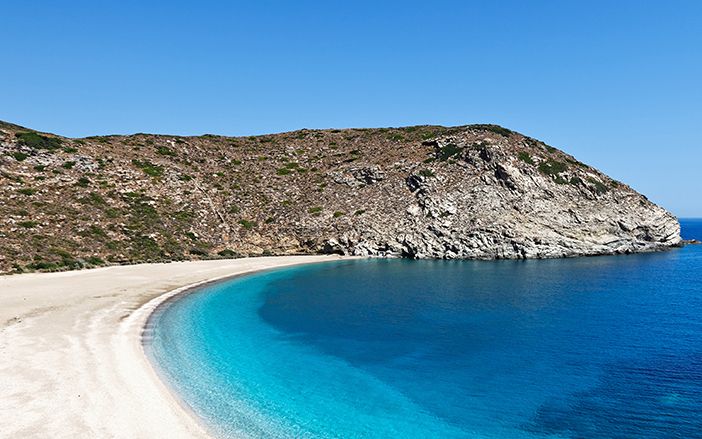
x=476, y=191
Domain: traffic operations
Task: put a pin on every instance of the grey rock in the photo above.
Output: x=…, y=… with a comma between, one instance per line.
x=504, y=208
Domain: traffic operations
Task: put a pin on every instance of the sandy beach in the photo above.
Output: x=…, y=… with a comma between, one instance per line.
x=71, y=360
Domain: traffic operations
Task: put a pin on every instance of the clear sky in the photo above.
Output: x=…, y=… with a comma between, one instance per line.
x=618, y=84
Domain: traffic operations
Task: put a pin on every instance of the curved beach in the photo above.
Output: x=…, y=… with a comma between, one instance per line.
x=72, y=360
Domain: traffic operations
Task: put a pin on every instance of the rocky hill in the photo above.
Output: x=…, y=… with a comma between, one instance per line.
x=476, y=191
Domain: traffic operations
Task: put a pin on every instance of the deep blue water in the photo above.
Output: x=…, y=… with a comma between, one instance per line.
x=603, y=347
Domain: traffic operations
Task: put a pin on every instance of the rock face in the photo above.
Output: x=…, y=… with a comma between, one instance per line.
x=477, y=191
x=506, y=206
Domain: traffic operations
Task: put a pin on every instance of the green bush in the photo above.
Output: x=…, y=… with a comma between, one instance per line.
x=41, y=265
x=164, y=150
x=94, y=232
x=94, y=260
x=38, y=141
x=226, y=253
x=28, y=224
x=248, y=225
x=427, y=173
x=600, y=188
x=315, y=210
x=448, y=151
x=198, y=252
x=19, y=156
x=525, y=157
x=552, y=167
x=494, y=129
x=68, y=165
x=27, y=191
x=338, y=214
x=93, y=199
x=149, y=168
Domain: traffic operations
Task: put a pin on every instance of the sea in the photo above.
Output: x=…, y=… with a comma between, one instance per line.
x=595, y=347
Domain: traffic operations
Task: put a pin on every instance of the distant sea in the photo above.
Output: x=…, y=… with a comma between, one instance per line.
x=599, y=347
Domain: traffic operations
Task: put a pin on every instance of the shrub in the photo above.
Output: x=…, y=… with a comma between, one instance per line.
x=226, y=253
x=525, y=157
x=552, y=167
x=68, y=165
x=83, y=182
x=359, y=212
x=494, y=129
x=198, y=252
x=19, y=156
x=448, y=151
x=315, y=210
x=39, y=168
x=575, y=181
x=576, y=163
x=149, y=168
x=338, y=214
x=94, y=260
x=27, y=191
x=93, y=231
x=93, y=199
x=38, y=141
x=427, y=173
x=248, y=225
x=28, y=224
x=41, y=265
x=164, y=150
x=70, y=149
x=600, y=187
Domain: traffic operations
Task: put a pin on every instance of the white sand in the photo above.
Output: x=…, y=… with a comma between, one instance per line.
x=71, y=360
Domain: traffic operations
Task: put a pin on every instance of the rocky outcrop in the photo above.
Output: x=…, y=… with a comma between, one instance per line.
x=502, y=205
x=477, y=191
x=511, y=203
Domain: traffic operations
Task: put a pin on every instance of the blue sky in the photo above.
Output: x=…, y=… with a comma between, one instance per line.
x=618, y=84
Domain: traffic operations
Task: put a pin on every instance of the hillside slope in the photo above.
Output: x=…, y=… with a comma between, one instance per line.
x=477, y=191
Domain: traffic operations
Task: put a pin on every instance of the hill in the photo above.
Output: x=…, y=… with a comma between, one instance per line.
x=475, y=191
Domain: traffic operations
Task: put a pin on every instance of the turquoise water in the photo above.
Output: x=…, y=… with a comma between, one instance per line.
x=604, y=347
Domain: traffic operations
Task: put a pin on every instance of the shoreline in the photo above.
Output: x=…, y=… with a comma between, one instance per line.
x=74, y=348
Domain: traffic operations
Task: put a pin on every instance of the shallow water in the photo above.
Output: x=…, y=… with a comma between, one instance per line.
x=603, y=347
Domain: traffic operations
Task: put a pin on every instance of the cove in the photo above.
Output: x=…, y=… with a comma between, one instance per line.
x=602, y=347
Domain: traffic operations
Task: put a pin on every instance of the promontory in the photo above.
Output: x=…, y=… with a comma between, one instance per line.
x=474, y=191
